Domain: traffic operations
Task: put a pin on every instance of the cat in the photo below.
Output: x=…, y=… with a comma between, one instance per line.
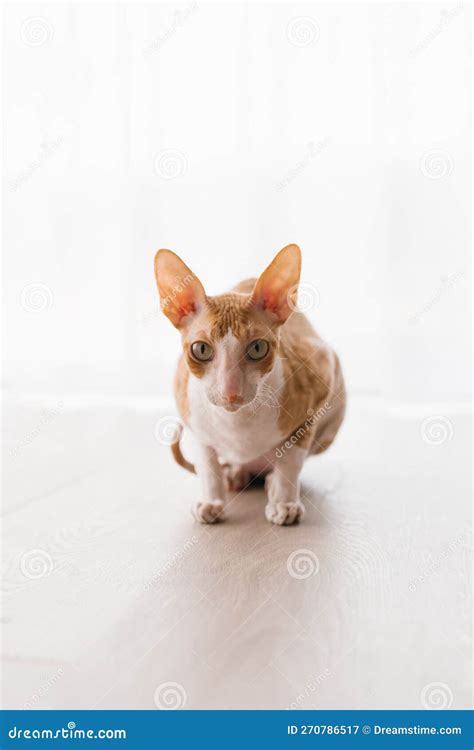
x=256, y=385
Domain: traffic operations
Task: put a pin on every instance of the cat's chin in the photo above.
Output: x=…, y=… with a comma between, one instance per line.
x=232, y=408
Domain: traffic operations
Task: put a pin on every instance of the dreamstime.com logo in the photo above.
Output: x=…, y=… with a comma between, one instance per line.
x=302, y=31
x=302, y=563
x=436, y=696
x=436, y=430
x=36, y=297
x=169, y=164
x=67, y=733
x=436, y=164
x=170, y=696
x=36, y=31
x=303, y=297
x=36, y=563
x=167, y=430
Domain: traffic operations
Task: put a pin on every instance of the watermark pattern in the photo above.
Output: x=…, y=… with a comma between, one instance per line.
x=447, y=283
x=312, y=151
x=170, y=163
x=36, y=297
x=177, y=556
x=36, y=31
x=302, y=30
x=47, y=151
x=36, y=563
x=180, y=18
x=436, y=164
x=310, y=688
x=167, y=430
x=302, y=563
x=436, y=696
x=48, y=415
x=447, y=16
x=303, y=297
x=436, y=430
x=438, y=561
x=43, y=689
x=313, y=418
x=170, y=696
x=150, y=315
x=266, y=396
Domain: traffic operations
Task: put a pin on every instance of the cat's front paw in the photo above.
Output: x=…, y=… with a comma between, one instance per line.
x=284, y=514
x=209, y=512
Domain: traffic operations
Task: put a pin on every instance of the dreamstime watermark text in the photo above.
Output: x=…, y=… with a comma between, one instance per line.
x=313, y=418
x=447, y=17
x=447, y=283
x=178, y=287
x=438, y=561
x=43, y=689
x=47, y=416
x=71, y=732
x=173, y=560
x=311, y=687
x=312, y=151
x=47, y=151
x=179, y=19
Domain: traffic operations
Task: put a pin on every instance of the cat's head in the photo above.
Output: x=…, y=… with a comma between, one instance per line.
x=230, y=341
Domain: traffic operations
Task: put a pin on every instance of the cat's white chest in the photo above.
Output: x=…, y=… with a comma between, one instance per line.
x=237, y=437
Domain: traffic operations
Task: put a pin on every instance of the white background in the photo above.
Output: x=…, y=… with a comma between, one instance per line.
x=380, y=204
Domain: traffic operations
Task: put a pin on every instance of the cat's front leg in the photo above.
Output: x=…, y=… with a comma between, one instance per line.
x=282, y=485
x=210, y=508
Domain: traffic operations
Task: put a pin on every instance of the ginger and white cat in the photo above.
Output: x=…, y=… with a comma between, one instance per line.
x=256, y=385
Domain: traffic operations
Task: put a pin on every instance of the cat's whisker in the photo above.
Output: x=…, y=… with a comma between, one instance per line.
x=266, y=396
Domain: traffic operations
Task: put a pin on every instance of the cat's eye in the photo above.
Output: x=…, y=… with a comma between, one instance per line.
x=201, y=351
x=257, y=349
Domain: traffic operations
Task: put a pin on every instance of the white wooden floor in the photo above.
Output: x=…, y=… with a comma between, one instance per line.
x=112, y=591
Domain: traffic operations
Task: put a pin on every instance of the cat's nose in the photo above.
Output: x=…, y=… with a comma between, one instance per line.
x=233, y=398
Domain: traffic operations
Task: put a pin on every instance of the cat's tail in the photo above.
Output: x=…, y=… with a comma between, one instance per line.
x=176, y=451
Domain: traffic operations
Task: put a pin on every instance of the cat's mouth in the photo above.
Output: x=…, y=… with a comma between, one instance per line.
x=232, y=407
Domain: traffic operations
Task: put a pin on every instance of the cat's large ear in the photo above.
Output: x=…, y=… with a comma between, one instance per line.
x=277, y=288
x=181, y=292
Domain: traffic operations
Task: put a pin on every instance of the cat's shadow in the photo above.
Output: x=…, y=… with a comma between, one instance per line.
x=249, y=505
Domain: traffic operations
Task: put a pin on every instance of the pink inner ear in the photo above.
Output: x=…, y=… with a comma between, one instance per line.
x=178, y=305
x=276, y=287
x=186, y=304
x=186, y=309
x=271, y=303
